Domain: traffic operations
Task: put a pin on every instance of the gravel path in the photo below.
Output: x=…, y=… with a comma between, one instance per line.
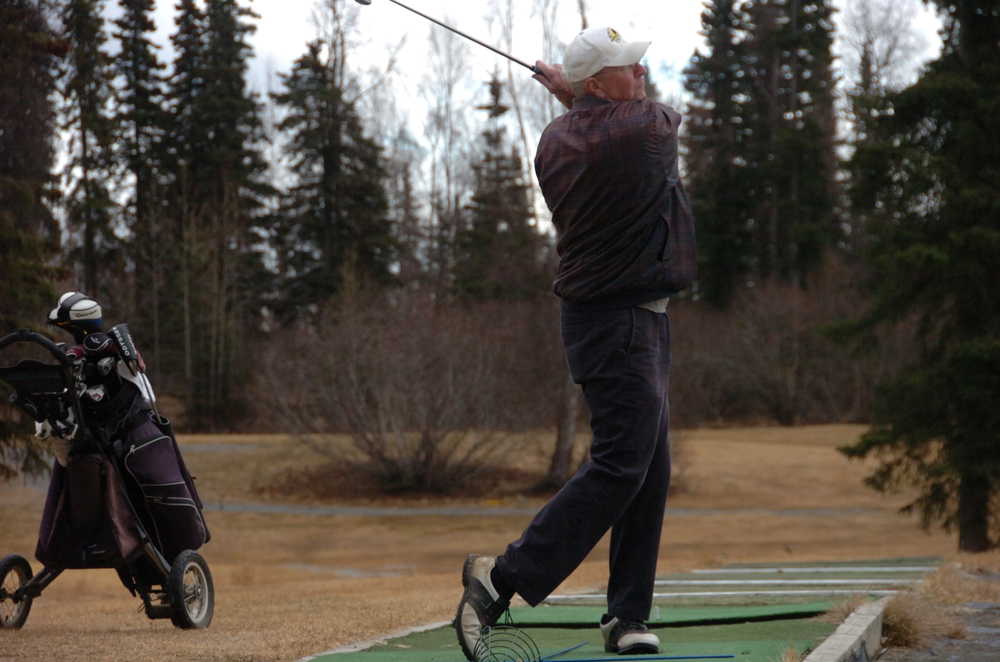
x=501, y=511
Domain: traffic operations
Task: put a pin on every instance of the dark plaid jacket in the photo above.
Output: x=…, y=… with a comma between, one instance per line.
x=608, y=171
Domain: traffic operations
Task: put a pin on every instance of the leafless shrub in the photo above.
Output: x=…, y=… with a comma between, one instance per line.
x=433, y=395
x=431, y=398
x=769, y=357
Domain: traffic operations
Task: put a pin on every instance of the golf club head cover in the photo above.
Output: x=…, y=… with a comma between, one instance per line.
x=99, y=345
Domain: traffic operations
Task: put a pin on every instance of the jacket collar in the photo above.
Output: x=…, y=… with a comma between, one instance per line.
x=588, y=101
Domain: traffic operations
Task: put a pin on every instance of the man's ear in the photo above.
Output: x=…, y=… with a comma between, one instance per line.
x=593, y=88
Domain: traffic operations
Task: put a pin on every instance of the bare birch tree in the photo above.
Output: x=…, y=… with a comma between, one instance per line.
x=880, y=41
x=544, y=106
x=879, y=48
x=447, y=133
x=568, y=408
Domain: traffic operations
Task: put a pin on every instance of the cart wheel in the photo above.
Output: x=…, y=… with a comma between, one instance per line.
x=192, y=595
x=15, y=572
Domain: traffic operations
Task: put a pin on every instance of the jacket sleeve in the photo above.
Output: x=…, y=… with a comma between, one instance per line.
x=668, y=122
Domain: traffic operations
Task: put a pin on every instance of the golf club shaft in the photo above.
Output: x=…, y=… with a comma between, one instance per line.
x=459, y=32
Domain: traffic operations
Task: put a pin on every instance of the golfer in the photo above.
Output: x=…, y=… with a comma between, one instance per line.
x=625, y=237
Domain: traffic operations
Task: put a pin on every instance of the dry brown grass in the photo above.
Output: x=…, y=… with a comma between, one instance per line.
x=914, y=618
x=987, y=562
x=790, y=655
x=791, y=468
x=953, y=584
x=844, y=608
x=292, y=585
x=910, y=620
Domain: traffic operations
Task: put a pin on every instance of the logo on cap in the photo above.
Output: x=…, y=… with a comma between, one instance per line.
x=613, y=35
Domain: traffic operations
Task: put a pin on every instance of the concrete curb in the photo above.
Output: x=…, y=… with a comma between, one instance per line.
x=858, y=639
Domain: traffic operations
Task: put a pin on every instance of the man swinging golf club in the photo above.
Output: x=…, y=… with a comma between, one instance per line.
x=608, y=171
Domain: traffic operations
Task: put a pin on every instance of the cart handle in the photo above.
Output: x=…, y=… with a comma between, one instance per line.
x=24, y=335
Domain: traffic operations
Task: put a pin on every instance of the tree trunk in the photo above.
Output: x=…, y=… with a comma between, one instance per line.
x=974, y=493
x=562, y=457
x=89, y=222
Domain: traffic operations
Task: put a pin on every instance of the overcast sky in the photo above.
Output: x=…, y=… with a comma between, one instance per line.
x=285, y=26
x=672, y=25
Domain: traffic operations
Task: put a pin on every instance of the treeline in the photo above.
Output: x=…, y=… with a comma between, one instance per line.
x=175, y=218
x=911, y=209
x=283, y=253
x=215, y=221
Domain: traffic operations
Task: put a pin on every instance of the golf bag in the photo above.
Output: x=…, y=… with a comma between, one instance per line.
x=120, y=495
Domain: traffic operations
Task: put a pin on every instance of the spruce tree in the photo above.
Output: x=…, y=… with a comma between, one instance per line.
x=185, y=91
x=499, y=253
x=141, y=119
x=334, y=218
x=231, y=193
x=216, y=192
x=715, y=139
x=790, y=155
x=178, y=208
x=760, y=141
x=90, y=210
x=29, y=234
x=933, y=247
x=866, y=167
x=29, y=237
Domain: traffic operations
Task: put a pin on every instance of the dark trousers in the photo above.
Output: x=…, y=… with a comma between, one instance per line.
x=621, y=358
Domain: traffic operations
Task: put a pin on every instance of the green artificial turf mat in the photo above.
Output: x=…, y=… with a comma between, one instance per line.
x=751, y=627
x=582, y=616
x=746, y=642
x=741, y=599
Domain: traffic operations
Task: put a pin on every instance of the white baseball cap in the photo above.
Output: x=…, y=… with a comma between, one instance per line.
x=596, y=48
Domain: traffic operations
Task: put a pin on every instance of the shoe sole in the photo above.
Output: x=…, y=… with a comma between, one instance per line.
x=637, y=649
x=457, y=623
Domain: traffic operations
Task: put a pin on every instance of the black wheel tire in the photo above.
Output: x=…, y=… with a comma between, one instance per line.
x=191, y=592
x=15, y=572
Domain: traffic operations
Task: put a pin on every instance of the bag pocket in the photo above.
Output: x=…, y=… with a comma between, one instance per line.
x=176, y=520
x=176, y=516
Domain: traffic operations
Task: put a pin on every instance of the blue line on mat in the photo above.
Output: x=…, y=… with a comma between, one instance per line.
x=644, y=659
x=550, y=656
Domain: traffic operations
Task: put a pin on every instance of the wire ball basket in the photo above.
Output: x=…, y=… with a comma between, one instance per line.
x=505, y=643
